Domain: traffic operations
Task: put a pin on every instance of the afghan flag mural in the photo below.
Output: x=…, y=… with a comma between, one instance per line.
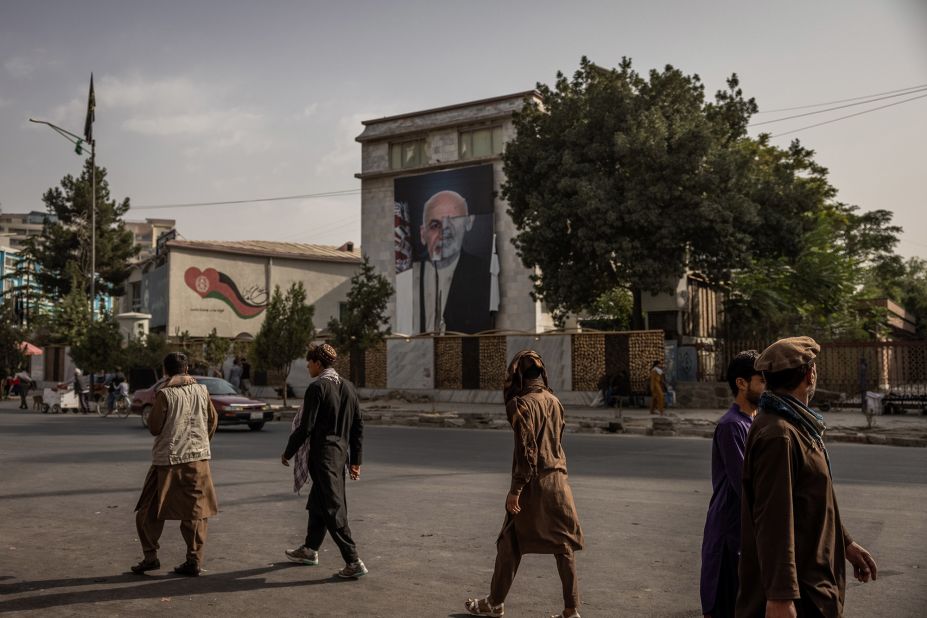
x=211, y=283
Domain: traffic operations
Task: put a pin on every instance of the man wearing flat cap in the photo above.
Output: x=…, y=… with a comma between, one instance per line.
x=327, y=435
x=793, y=544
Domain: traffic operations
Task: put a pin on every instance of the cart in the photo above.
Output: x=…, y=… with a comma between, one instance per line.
x=60, y=400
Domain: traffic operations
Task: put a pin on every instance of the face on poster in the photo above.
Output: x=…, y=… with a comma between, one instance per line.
x=444, y=231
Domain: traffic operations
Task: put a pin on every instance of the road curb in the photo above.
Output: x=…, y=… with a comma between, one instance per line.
x=639, y=426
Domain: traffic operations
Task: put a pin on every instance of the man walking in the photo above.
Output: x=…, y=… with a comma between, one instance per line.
x=793, y=542
x=328, y=434
x=721, y=541
x=540, y=515
x=179, y=482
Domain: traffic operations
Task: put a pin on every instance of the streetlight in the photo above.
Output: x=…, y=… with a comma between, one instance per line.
x=78, y=142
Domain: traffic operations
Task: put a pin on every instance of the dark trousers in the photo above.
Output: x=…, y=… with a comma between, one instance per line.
x=508, y=557
x=726, y=594
x=320, y=522
x=149, y=529
x=22, y=398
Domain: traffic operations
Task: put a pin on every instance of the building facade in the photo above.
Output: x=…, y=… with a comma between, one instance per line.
x=196, y=286
x=443, y=167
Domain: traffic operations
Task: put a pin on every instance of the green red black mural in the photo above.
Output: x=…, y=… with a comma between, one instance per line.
x=211, y=283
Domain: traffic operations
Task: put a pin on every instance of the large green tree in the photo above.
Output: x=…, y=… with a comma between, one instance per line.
x=65, y=243
x=364, y=322
x=285, y=333
x=616, y=179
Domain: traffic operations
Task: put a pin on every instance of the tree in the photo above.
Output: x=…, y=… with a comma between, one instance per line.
x=611, y=311
x=64, y=246
x=101, y=347
x=215, y=351
x=146, y=352
x=600, y=172
x=12, y=357
x=364, y=322
x=285, y=333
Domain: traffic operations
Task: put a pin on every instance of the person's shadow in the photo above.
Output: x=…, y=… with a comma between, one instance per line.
x=149, y=586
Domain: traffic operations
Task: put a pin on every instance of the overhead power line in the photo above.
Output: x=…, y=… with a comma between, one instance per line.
x=830, y=109
x=868, y=96
x=874, y=109
x=304, y=196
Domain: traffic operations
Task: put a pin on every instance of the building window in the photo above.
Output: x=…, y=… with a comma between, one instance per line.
x=480, y=143
x=407, y=154
x=135, y=293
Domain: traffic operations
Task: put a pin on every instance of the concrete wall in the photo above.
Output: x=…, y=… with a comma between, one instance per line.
x=326, y=283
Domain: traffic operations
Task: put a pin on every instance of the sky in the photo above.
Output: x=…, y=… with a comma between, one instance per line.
x=208, y=100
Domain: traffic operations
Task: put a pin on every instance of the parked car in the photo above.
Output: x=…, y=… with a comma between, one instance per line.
x=232, y=407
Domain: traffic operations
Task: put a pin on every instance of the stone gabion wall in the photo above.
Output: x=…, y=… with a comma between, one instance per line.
x=644, y=347
x=375, y=366
x=492, y=363
x=448, y=363
x=588, y=354
x=343, y=364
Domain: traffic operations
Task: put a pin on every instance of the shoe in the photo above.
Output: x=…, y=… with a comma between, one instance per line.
x=482, y=607
x=146, y=565
x=352, y=570
x=303, y=555
x=189, y=569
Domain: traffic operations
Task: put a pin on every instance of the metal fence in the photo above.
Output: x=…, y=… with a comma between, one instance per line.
x=852, y=367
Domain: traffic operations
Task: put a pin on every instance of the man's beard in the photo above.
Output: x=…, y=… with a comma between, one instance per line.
x=753, y=397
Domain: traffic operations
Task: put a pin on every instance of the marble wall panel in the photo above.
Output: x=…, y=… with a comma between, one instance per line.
x=556, y=350
x=410, y=363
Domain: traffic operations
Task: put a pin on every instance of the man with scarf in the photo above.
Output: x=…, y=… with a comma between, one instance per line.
x=540, y=515
x=328, y=434
x=793, y=544
x=179, y=481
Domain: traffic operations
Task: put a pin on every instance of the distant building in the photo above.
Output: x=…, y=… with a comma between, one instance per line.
x=146, y=233
x=442, y=156
x=195, y=286
x=16, y=228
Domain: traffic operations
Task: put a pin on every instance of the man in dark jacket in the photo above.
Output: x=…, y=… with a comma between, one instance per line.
x=793, y=544
x=327, y=434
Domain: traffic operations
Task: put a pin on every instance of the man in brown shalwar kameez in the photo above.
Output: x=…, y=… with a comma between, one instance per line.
x=793, y=544
x=179, y=483
x=540, y=515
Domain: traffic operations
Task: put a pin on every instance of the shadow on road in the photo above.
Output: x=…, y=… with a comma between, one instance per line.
x=148, y=587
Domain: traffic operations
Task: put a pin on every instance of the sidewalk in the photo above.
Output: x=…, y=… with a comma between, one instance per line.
x=842, y=425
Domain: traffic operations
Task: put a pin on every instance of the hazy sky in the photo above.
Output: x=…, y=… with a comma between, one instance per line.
x=209, y=100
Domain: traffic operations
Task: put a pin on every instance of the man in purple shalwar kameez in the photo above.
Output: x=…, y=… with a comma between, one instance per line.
x=721, y=543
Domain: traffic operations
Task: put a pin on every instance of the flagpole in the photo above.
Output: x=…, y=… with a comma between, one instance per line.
x=93, y=226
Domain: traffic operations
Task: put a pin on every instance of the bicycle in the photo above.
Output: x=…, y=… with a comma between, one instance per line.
x=122, y=407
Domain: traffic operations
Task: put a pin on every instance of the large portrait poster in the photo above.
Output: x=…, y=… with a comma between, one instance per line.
x=444, y=251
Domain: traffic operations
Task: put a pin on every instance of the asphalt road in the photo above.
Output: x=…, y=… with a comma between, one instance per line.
x=425, y=515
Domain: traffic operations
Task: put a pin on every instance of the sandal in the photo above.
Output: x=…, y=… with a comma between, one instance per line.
x=482, y=607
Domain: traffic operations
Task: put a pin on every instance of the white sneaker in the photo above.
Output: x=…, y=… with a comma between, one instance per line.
x=303, y=555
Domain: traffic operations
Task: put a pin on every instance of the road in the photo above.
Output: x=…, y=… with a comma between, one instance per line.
x=425, y=515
